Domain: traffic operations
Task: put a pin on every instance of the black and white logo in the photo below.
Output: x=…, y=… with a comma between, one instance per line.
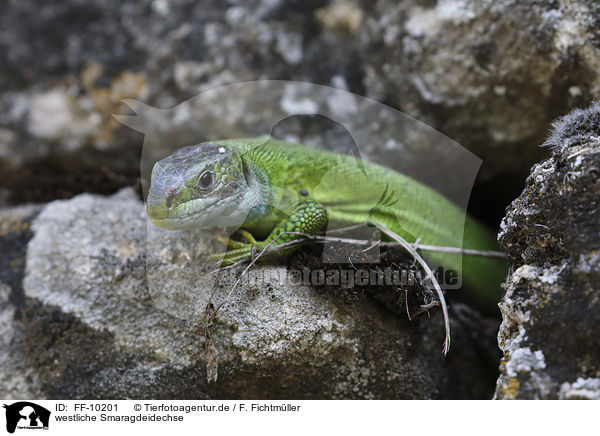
x=26, y=415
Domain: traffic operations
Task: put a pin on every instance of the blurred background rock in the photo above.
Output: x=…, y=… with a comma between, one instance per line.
x=492, y=75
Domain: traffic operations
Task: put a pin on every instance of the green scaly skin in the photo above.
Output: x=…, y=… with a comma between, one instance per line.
x=268, y=187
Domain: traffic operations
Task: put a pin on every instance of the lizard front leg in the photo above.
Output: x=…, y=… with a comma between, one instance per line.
x=307, y=217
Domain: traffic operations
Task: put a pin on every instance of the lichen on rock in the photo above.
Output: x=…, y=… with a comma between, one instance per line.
x=551, y=234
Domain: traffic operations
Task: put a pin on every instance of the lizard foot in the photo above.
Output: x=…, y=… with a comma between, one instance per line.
x=233, y=243
x=240, y=251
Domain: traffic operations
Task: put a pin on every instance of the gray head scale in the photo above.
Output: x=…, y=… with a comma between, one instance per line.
x=199, y=185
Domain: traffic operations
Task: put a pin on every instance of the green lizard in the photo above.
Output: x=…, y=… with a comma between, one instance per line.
x=268, y=187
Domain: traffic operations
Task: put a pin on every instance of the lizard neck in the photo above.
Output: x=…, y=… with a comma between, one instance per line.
x=259, y=194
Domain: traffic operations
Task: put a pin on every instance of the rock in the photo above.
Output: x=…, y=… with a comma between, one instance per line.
x=551, y=235
x=17, y=379
x=490, y=74
x=113, y=309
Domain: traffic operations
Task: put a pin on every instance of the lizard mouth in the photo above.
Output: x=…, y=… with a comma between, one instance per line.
x=174, y=219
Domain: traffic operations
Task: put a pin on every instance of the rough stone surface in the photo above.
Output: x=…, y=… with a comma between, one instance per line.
x=112, y=309
x=551, y=234
x=17, y=379
x=491, y=74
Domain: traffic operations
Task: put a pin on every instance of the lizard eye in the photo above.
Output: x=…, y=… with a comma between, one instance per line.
x=206, y=180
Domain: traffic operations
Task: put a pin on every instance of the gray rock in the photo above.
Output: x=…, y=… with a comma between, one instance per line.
x=490, y=74
x=113, y=309
x=17, y=378
x=551, y=234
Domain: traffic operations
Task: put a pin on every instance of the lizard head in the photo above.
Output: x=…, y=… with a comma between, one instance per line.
x=196, y=186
